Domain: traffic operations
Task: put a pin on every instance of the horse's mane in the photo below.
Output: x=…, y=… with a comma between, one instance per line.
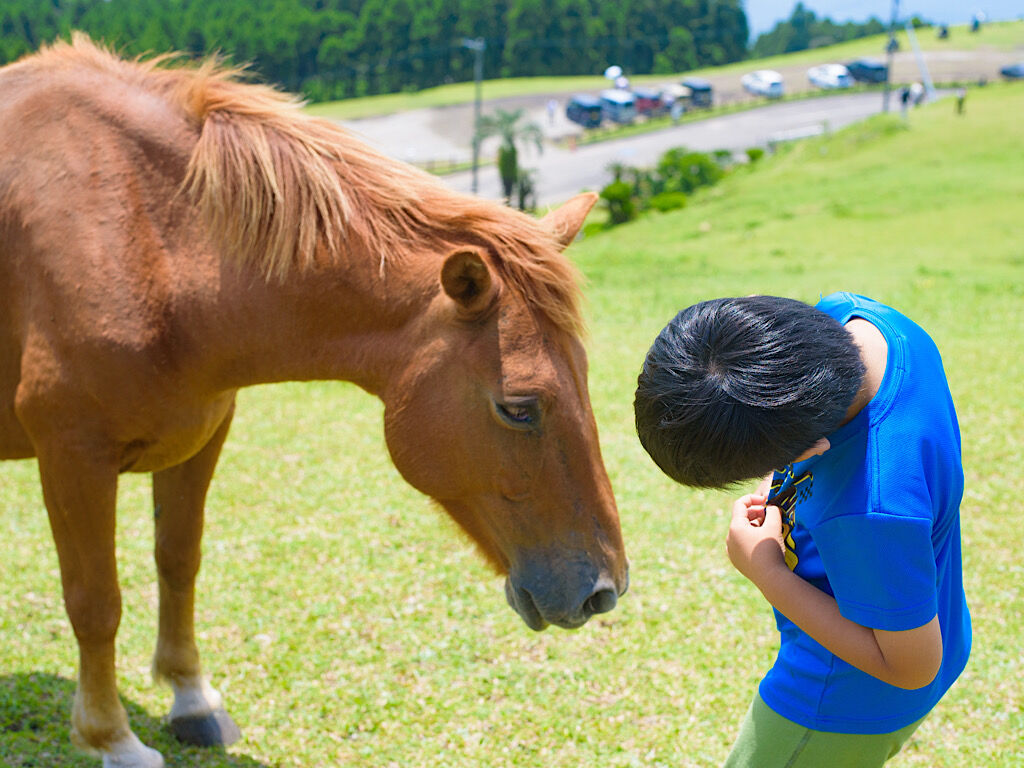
x=277, y=186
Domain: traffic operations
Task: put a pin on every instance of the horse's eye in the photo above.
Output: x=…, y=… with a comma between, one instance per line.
x=518, y=415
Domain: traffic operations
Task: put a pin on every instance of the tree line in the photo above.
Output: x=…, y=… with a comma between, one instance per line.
x=338, y=48
x=803, y=29
x=331, y=49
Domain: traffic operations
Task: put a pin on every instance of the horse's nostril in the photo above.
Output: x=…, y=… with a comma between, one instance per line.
x=601, y=601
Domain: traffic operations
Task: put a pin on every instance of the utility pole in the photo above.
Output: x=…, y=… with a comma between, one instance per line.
x=890, y=49
x=478, y=46
x=926, y=79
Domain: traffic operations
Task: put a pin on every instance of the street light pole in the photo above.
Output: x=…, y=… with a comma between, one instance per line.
x=478, y=46
x=926, y=78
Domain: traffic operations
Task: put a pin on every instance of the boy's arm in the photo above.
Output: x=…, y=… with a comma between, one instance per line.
x=908, y=659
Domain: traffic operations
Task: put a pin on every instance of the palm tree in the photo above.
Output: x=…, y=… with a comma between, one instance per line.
x=526, y=190
x=507, y=125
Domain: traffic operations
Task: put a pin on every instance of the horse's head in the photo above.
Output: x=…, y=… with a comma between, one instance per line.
x=491, y=417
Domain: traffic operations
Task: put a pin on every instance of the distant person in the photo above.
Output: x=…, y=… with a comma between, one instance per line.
x=677, y=110
x=552, y=108
x=961, y=96
x=852, y=535
x=904, y=100
x=917, y=94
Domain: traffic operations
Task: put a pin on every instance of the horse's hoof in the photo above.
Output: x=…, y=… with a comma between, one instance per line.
x=131, y=753
x=209, y=730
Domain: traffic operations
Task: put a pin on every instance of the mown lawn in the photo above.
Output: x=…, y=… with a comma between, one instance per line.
x=348, y=623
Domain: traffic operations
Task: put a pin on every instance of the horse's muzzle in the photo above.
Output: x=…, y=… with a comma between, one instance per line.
x=542, y=598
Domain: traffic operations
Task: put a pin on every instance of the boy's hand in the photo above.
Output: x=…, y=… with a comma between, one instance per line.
x=765, y=486
x=908, y=659
x=754, y=542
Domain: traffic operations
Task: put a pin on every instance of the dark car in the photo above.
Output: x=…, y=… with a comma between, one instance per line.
x=584, y=110
x=868, y=71
x=700, y=91
x=1013, y=71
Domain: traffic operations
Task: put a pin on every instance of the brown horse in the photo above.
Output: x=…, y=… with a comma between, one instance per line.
x=169, y=235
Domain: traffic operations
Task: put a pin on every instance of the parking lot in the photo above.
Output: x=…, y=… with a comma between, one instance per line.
x=444, y=135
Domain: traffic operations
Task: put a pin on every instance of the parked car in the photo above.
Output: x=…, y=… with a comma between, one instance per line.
x=618, y=105
x=763, y=82
x=868, y=71
x=700, y=91
x=648, y=101
x=673, y=92
x=830, y=76
x=1013, y=71
x=584, y=110
x=675, y=99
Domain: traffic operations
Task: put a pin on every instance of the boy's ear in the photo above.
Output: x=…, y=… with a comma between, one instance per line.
x=817, y=449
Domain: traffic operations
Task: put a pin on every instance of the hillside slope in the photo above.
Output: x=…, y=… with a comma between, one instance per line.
x=927, y=216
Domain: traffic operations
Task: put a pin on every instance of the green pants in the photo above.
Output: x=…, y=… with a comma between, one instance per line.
x=768, y=740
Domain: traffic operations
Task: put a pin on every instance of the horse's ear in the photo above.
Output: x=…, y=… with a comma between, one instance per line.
x=467, y=280
x=567, y=220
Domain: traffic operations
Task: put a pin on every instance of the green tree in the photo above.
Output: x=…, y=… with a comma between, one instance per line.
x=803, y=29
x=339, y=48
x=510, y=127
x=679, y=54
x=526, y=189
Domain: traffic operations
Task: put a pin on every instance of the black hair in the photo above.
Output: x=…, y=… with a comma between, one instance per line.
x=734, y=388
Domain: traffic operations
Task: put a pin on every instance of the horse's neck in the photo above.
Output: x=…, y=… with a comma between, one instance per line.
x=330, y=323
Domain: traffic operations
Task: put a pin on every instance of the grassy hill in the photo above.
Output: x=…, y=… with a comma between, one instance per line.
x=347, y=623
x=927, y=216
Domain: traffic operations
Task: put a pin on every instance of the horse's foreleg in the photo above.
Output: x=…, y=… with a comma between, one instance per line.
x=179, y=494
x=81, y=494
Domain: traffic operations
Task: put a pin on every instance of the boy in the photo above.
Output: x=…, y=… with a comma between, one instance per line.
x=853, y=535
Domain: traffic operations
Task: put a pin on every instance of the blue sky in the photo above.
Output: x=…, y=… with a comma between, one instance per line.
x=762, y=14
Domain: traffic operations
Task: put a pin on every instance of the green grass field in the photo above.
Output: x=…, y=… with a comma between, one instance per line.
x=997, y=36
x=348, y=623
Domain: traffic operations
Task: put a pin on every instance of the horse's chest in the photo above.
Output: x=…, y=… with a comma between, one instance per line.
x=176, y=438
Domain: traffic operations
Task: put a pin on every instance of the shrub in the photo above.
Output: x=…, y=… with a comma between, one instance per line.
x=619, y=197
x=685, y=171
x=644, y=185
x=667, y=201
x=679, y=172
x=723, y=157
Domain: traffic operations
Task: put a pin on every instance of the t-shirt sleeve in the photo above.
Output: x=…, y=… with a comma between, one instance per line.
x=881, y=568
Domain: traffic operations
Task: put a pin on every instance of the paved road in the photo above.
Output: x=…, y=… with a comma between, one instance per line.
x=427, y=134
x=444, y=135
x=561, y=173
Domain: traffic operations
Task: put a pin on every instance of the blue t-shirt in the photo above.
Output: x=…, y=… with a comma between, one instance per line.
x=875, y=522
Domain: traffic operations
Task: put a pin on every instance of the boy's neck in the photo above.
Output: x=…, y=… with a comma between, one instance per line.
x=873, y=353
